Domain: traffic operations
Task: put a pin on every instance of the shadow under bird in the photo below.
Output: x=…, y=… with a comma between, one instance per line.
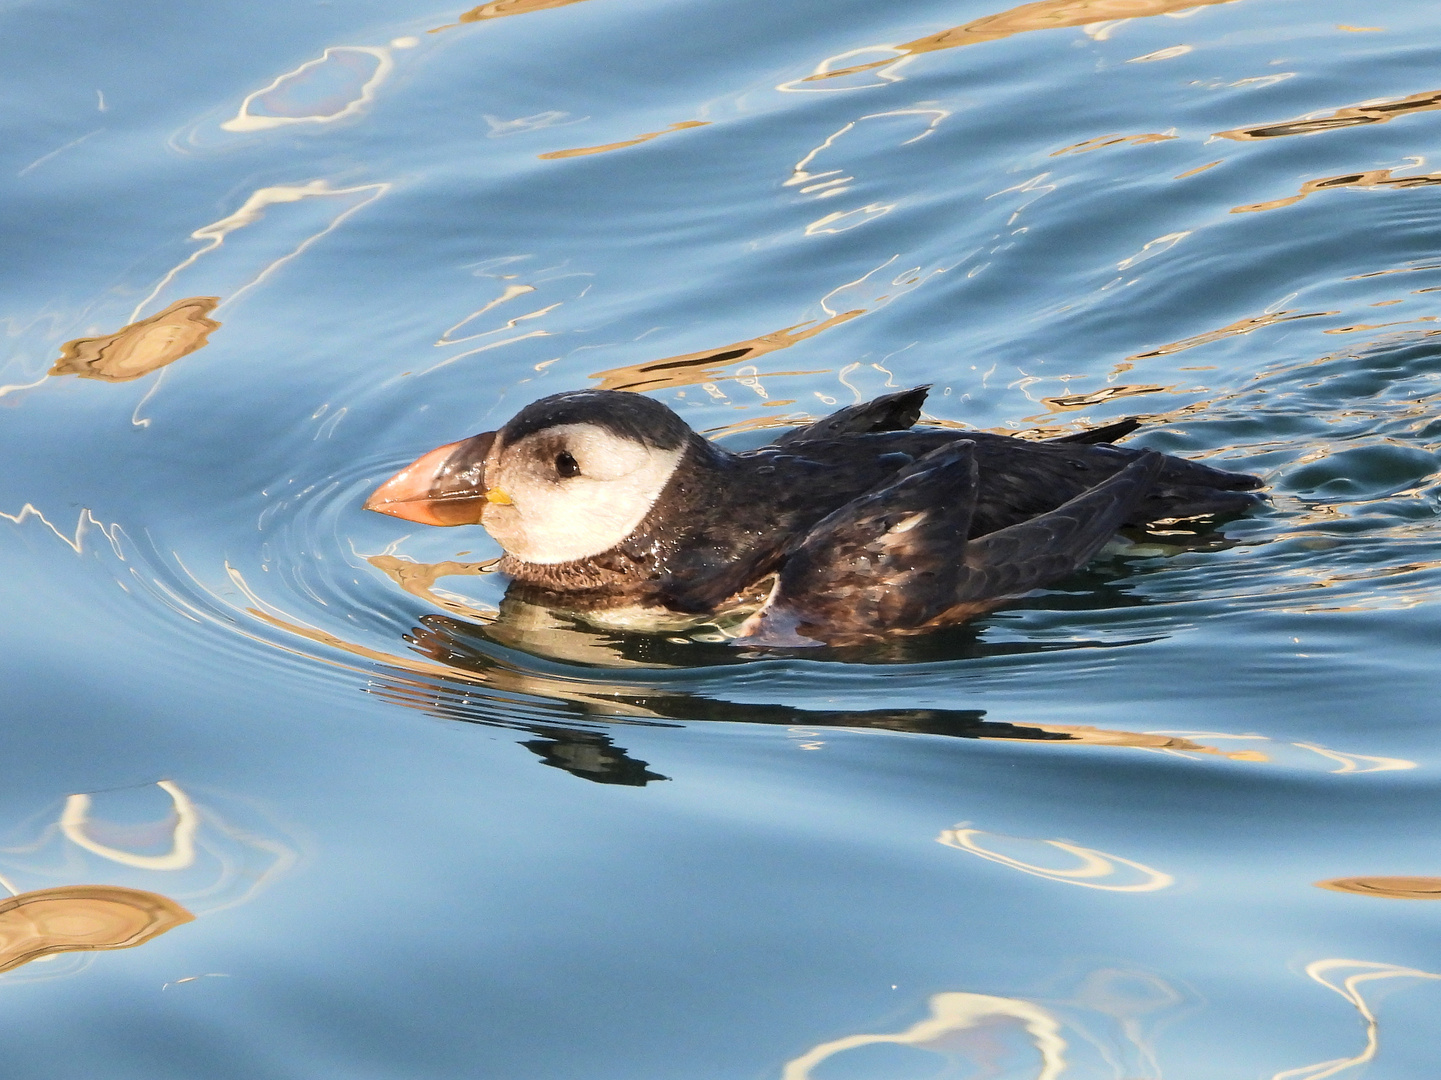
x=854, y=528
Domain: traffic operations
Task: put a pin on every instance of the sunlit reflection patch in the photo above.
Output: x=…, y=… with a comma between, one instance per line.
x=499, y=9
x=1393, y=888
x=143, y=346
x=1058, y=860
x=80, y=918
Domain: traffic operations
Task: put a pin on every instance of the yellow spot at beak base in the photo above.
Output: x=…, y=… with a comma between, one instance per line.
x=498, y=497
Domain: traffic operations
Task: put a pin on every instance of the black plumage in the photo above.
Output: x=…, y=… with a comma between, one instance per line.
x=872, y=526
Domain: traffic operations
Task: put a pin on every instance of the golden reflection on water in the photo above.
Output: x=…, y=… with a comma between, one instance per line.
x=1101, y=142
x=1042, y=15
x=1362, y=327
x=1066, y=402
x=1083, y=866
x=1374, y=112
x=141, y=347
x=499, y=9
x=1362, y=971
x=1372, y=178
x=419, y=579
x=1199, y=169
x=1240, y=326
x=82, y=918
x=953, y=1014
x=710, y=364
x=1169, y=742
x=1394, y=888
x=583, y=151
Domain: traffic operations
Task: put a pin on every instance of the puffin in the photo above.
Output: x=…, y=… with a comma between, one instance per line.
x=855, y=528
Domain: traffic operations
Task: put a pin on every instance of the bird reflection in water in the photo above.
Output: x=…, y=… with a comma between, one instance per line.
x=576, y=721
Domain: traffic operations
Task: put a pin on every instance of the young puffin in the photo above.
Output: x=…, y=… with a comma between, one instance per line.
x=862, y=525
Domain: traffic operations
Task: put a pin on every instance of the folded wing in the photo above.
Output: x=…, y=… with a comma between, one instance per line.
x=896, y=560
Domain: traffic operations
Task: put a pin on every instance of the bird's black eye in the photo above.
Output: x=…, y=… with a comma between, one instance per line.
x=565, y=465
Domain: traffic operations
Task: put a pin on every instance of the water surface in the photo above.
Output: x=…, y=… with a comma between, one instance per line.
x=292, y=796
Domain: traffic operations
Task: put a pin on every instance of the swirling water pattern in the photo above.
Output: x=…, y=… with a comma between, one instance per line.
x=257, y=258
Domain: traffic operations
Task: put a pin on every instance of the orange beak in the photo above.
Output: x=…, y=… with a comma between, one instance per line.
x=443, y=487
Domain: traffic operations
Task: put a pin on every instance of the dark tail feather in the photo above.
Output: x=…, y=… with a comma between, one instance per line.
x=892, y=412
x=1106, y=433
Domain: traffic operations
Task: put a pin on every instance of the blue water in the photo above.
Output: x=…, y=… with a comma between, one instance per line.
x=276, y=252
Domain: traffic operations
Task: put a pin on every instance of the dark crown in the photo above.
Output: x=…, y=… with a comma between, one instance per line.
x=631, y=416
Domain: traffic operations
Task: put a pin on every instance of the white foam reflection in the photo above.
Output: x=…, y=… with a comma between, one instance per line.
x=75, y=818
x=828, y=183
x=336, y=85
x=253, y=211
x=952, y=1013
x=208, y=859
x=893, y=58
x=1083, y=866
x=1326, y=972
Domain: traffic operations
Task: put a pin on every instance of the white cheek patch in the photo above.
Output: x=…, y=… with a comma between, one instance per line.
x=553, y=520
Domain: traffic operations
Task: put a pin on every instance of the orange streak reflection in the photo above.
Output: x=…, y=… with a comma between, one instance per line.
x=699, y=367
x=419, y=579
x=1372, y=178
x=1395, y=888
x=79, y=918
x=1240, y=326
x=1042, y=15
x=1101, y=142
x=1100, y=397
x=1351, y=116
x=141, y=347
x=499, y=9
x=583, y=151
